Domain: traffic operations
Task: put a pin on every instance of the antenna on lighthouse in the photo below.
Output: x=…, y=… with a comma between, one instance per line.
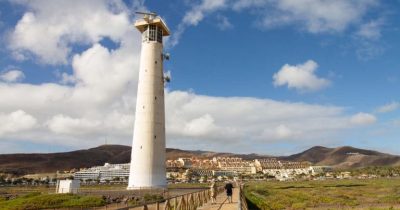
x=147, y=15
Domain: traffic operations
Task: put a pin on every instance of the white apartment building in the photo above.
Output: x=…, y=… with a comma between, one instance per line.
x=185, y=162
x=282, y=169
x=106, y=172
x=235, y=164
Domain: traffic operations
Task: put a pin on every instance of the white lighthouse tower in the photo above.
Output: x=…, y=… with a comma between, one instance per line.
x=148, y=147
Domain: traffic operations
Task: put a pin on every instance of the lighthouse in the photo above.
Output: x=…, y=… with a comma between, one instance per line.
x=147, y=168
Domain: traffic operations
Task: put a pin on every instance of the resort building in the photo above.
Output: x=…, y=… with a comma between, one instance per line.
x=102, y=173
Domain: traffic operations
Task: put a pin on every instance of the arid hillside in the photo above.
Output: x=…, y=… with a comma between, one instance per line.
x=343, y=157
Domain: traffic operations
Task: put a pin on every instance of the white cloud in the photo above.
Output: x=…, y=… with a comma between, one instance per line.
x=318, y=15
x=367, y=49
x=47, y=31
x=16, y=121
x=66, y=78
x=371, y=30
x=194, y=16
x=201, y=126
x=226, y=122
x=99, y=100
x=362, y=119
x=245, y=4
x=223, y=23
x=367, y=39
x=396, y=122
x=314, y=16
x=388, y=107
x=12, y=76
x=67, y=125
x=300, y=77
x=283, y=131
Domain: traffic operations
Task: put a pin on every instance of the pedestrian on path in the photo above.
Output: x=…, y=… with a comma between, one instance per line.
x=228, y=189
x=213, y=190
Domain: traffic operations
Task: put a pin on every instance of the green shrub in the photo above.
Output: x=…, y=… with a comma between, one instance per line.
x=152, y=197
x=333, y=194
x=41, y=201
x=299, y=205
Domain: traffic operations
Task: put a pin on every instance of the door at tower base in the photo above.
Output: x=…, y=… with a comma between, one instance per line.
x=148, y=156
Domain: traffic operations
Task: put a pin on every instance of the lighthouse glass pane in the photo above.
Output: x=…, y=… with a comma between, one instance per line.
x=152, y=34
x=159, y=34
x=145, y=34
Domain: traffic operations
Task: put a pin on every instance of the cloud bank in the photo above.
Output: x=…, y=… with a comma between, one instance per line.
x=12, y=76
x=390, y=107
x=313, y=16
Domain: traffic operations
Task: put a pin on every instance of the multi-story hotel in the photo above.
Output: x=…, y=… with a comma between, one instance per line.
x=106, y=172
x=217, y=166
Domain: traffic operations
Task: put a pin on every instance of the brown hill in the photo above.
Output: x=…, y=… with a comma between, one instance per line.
x=19, y=164
x=50, y=162
x=345, y=157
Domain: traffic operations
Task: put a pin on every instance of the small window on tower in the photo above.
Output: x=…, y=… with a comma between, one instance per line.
x=152, y=33
x=145, y=34
x=159, y=34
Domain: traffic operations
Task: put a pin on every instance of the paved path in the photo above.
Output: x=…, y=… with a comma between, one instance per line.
x=223, y=203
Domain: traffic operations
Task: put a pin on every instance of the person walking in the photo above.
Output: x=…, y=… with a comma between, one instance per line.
x=228, y=189
x=213, y=190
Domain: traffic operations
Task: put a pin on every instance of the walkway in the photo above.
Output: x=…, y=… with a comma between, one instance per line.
x=223, y=203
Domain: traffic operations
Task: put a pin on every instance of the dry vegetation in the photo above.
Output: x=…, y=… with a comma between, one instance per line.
x=42, y=200
x=330, y=194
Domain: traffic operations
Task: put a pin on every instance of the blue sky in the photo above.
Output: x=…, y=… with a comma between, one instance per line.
x=263, y=76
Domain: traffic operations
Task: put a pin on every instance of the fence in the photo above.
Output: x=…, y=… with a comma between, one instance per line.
x=189, y=201
x=242, y=199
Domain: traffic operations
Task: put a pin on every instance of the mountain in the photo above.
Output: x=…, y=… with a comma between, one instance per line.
x=42, y=163
x=21, y=164
x=343, y=157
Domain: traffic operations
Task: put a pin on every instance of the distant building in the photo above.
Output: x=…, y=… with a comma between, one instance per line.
x=234, y=164
x=67, y=186
x=183, y=168
x=224, y=173
x=202, y=172
x=185, y=162
x=102, y=173
x=283, y=170
x=320, y=169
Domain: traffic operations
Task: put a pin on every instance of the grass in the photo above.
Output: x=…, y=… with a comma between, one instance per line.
x=329, y=194
x=18, y=189
x=188, y=185
x=39, y=197
x=51, y=189
x=41, y=201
